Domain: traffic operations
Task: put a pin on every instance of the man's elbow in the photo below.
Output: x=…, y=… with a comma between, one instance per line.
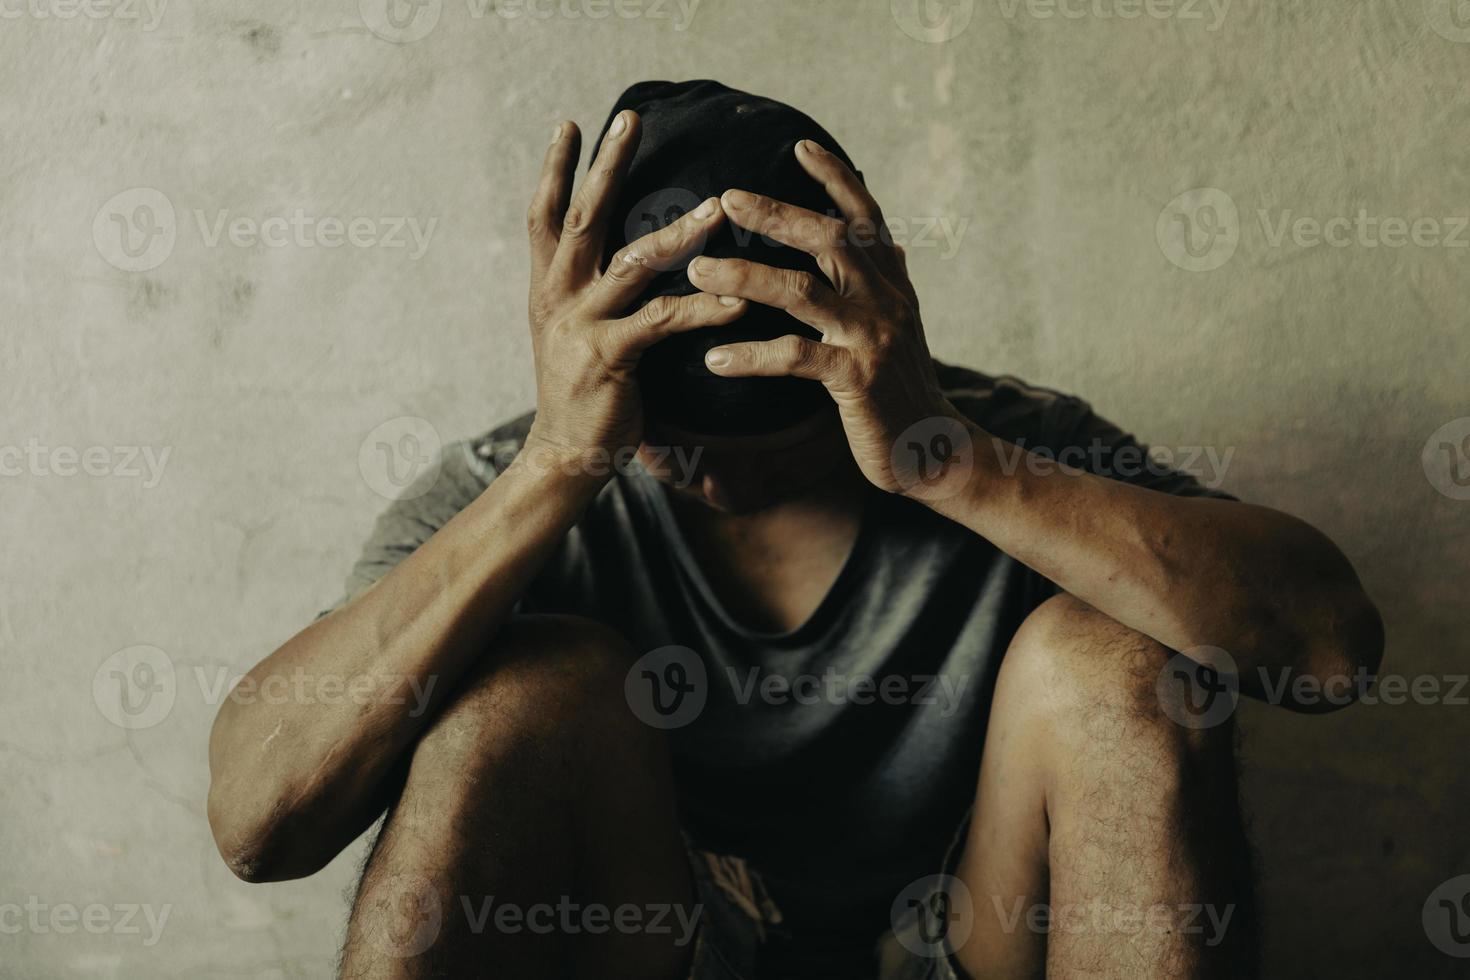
x=1342, y=661
x=249, y=844
x=257, y=829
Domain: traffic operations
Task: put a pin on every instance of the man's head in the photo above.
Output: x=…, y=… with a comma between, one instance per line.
x=699, y=139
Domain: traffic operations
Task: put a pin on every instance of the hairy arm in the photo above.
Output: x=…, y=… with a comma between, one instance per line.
x=295, y=779
x=1194, y=573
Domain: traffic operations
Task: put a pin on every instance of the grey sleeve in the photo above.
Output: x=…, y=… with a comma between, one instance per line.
x=427, y=505
x=1086, y=440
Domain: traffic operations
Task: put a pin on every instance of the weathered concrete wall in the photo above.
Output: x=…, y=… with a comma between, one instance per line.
x=1049, y=147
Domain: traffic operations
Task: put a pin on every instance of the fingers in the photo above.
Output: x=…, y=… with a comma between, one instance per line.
x=635, y=265
x=786, y=223
x=788, y=356
x=549, y=203
x=819, y=235
x=664, y=316
x=858, y=206
x=584, y=225
x=801, y=294
x=840, y=183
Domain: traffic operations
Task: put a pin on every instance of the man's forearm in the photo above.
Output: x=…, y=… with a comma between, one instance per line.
x=1269, y=589
x=295, y=780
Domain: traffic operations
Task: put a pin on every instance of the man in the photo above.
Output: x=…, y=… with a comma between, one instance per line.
x=905, y=684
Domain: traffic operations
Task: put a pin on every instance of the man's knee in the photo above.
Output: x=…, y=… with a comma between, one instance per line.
x=1094, y=683
x=549, y=687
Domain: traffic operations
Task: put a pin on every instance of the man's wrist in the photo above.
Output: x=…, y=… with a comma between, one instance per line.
x=583, y=468
x=938, y=460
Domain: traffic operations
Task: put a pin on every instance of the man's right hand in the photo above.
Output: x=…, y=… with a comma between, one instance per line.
x=586, y=346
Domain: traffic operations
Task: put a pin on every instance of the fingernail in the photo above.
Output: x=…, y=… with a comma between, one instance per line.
x=729, y=300
x=707, y=208
x=619, y=123
x=702, y=266
x=556, y=133
x=810, y=147
x=719, y=357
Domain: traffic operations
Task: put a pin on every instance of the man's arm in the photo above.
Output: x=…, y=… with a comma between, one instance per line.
x=1267, y=588
x=293, y=783
x=1191, y=572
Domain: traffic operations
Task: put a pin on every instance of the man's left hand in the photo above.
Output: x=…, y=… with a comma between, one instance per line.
x=872, y=357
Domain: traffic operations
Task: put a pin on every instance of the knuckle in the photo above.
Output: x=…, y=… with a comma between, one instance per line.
x=597, y=346
x=657, y=312
x=793, y=352
x=803, y=286
x=836, y=234
x=626, y=264
x=670, y=239
x=577, y=221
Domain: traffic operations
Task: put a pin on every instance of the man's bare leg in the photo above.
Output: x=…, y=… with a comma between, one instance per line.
x=535, y=787
x=1091, y=801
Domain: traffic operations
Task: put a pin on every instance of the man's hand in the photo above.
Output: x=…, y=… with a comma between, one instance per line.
x=872, y=358
x=586, y=348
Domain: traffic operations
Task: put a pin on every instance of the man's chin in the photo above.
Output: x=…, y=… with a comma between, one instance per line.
x=710, y=493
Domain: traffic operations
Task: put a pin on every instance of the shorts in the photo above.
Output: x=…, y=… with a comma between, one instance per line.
x=737, y=912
